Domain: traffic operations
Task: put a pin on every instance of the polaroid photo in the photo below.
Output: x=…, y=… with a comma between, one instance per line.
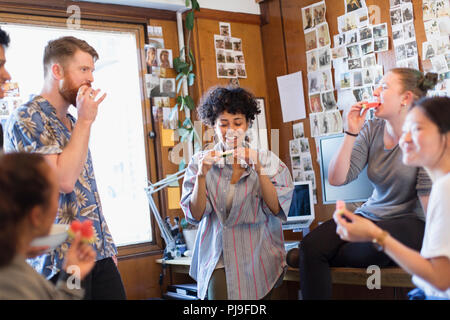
x=442, y=45
x=323, y=35
x=312, y=60
x=328, y=100
x=367, y=47
x=164, y=57
x=327, y=80
x=298, y=130
x=345, y=80
x=157, y=43
x=314, y=82
x=352, y=5
x=315, y=123
x=400, y=52
x=347, y=22
x=396, y=16
x=309, y=176
x=324, y=55
x=151, y=56
x=334, y=119
x=304, y=145
x=432, y=29
x=167, y=87
x=362, y=17
x=221, y=71
x=241, y=73
x=428, y=11
x=439, y=64
x=377, y=74
x=352, y=36
x=381, y=44
x=353, y=51
x=409, y=32
x=357, y=79
x=368, y=76
x=229, y=57
x=294, y=147
x=239, y=58
x=339, y=52
x=380, y=30
x=4, y=109
x=339, y=39
x=394, y=3
x=369, y=61
x=311, y=40
x=412, y=63
x=407, y=12
x=220, y=56
x=237, y=44
x=298, y=176
x=151, y=82
x=319, y=10
x=397, y=34
x=315, y=104
x=225, y=29
x=365, y=34
x=228, y=44
x=296, y=162
x=325, y=125
x=307, y=18
x=219, y=42
x=411, y=49
x=307, y=162
x=441, y=8
x=354, y=64
x=231, y=70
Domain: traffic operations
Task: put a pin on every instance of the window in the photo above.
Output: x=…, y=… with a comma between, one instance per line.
x=117, y=142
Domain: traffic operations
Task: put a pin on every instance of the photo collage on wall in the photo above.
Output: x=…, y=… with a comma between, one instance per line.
x=404, y=34
x=159, y=87
x=300, y=152
x=230, y=62
x=436, y=19
x=356, y=71
x=322, y=102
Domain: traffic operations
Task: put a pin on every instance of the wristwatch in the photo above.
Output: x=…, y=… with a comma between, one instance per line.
x=378, y=241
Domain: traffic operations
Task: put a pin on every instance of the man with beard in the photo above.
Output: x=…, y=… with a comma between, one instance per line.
x=43, y=125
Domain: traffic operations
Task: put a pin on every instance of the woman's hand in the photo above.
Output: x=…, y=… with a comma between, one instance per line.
x=81, y=255
x=353, y=228
x=250, y=156
x=206, y=161
x=356, y=119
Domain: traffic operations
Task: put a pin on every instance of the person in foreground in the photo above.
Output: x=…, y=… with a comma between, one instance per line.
x=28, y=205
x=400, y=193
x=239, y=197
x=425, y=142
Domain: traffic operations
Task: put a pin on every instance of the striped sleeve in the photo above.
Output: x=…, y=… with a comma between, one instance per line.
x=424, y=183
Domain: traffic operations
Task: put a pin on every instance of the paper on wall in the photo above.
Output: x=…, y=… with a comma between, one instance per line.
x=290, y=88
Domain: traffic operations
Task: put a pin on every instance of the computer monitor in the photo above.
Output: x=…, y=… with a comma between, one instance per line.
x=301, y=212
x=356, y=191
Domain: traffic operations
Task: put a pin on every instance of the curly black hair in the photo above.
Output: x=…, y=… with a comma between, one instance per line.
x=4, y=38
x=230, y=99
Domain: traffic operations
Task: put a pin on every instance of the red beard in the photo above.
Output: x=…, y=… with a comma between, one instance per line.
x=69, y=90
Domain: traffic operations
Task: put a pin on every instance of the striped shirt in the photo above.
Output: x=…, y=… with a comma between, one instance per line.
x=250, y=238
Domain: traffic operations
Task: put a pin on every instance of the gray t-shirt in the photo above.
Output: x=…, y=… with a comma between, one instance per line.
x=19, y=281
x=396, y=186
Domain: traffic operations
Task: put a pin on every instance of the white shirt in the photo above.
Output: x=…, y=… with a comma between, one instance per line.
x=436, y=240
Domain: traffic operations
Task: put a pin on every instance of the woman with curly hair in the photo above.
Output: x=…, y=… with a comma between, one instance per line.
x=238, y=196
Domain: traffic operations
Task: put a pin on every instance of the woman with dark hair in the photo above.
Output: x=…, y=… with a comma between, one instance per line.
x=425, y=142
x=28, y=206
x=394, y=204
x=239, y=197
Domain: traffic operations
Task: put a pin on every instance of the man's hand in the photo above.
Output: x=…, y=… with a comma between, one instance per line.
x=87, y=106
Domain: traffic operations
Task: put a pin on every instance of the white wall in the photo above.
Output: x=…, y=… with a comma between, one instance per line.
x=244, y=6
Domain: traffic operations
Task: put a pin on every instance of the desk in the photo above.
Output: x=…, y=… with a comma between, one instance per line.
x=182, y=265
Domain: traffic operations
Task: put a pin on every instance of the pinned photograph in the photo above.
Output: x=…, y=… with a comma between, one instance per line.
x=170, y=118
x=396, y=16
x=229, y=57
x=319, y=10
x=362, y=94
x=324, y=58
x=409, y=32
x=328, y=100
x=225, y=29
x=161, y=102
x=369, y=61
x=157, y=43
x=307, y=162
x=294, y=147
x=368, y=76
x=241, y=73
x=298, y=130
x=334, y=121
x=380, y=45
x=221, y=71
x=4, y=109
x=239, y=58
x=407, y=12
x=219, y=42
x=228, y=44
x=367, y=47
x=304, y=145
x=150, y=57
x=220, y=56
x=439, y=64
x=394, y=3
x=311, y=40
x=339, y=39
x=323, y=35
x=365, y=34
x=353, y=51
x=339, y=52
x=400, y=52
x=151, y=82
x=315, y=124
x=362, y=17
x=307, y=18
x=231, y=70
x=354, y=64
x=357, y=79
x=352, y=36
x=296, y=162
x=167, y=86
x=397, y=34
x=164, y=57
x=312, y=61
x=315, y=104
x=345, y=79
x=411, y=49
x=412, y=63
x=442, y=45
x=237, y=44
x=298, y=176
x=352, y=5
x=377, y=74
x=327, y=81
x=325, y=126
x=431, y=29
x=380, y=30
x=427, y=9
x=314, y=82
x=347, y=22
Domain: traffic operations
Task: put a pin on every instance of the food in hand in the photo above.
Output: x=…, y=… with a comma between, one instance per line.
x=85, y=228
x=340, y=206
x=371, y=104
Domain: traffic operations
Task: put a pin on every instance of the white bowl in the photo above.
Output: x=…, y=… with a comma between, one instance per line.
x=58, y=234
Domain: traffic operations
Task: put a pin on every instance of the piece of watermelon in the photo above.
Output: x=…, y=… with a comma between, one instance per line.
x=86, y=229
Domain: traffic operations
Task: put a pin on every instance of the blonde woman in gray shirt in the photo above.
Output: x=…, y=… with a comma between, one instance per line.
x=28, y=205
x=400, y=192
